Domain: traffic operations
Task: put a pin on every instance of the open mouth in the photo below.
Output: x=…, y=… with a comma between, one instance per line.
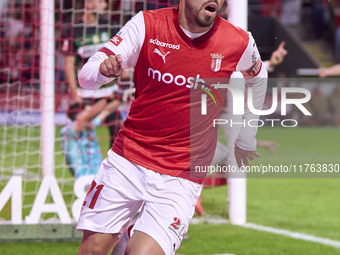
x=212, y=7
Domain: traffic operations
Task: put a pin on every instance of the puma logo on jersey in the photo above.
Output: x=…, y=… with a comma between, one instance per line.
x=157, y=51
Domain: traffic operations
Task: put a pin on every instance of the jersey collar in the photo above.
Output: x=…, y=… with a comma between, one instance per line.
x=195, y=42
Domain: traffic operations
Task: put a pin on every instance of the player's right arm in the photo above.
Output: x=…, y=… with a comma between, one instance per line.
x=330, y=71
x=120, y=53
x=112, y=67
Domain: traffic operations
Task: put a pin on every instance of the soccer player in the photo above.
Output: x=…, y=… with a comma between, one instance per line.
x=80, y=41
x=80, y=143
x=179, y=54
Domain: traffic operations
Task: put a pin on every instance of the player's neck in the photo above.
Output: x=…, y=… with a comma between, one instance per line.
x=192, y=36
x=188, y=23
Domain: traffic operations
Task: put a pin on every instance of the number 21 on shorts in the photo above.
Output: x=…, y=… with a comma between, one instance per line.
x=95, y=196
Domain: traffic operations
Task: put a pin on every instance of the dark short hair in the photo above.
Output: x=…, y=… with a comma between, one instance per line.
x=76, y=108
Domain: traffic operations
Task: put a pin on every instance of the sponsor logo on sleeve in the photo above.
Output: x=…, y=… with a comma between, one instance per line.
x=253, y=57
x=116, y=40
x=254, y=69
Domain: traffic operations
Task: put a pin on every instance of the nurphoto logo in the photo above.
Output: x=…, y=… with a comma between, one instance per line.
x=239, y=105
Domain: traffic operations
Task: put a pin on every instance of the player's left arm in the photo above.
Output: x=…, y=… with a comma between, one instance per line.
x=255, y=75
x=85, y=117
x=109, y=108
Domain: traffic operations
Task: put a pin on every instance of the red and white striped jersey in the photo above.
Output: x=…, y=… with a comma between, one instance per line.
x=166, y=130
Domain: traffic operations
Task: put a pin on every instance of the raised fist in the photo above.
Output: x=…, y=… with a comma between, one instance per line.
x=112, y=66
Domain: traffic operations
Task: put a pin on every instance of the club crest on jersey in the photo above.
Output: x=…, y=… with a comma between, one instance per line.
x=216, y=62
x=116, y=40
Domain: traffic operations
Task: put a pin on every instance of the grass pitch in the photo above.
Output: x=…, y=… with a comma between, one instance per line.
x=305, y=205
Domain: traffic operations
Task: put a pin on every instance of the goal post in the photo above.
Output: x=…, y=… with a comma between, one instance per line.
x=47, y=83
x=237, y=185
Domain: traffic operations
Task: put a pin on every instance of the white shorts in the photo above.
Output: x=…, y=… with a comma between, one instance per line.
x=119, y=189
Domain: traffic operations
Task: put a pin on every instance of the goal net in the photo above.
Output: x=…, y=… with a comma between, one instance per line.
x=31, y=191
x=39, y=183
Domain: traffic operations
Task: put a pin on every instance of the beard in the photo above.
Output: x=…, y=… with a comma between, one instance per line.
x=200, y=20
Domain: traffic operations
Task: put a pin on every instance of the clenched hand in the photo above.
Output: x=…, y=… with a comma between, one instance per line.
x=112, y=66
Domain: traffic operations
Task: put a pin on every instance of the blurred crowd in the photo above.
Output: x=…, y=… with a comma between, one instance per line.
x=324, y=104
x=19, y=36
x=314, y=19
x=19, y=32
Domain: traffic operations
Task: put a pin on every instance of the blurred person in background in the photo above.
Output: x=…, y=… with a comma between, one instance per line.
x=318, y=19
x=329, y=71
x=80, y=41
x=80, y=144
x=291, y=12
x=89, y=32
x=335, y=4
x=270, y=8
x=276, y=58
x=320, y=107
x=334, y=102
x=19, y=47
x=334, y=105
